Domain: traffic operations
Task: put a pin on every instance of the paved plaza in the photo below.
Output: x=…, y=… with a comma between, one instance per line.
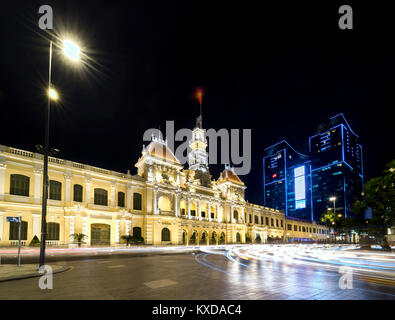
x=256, y=272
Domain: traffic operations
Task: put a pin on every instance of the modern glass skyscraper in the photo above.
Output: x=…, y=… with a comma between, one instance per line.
x=287, y=180
x=302, y=185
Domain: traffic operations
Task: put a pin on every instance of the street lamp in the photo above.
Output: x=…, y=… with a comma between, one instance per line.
x=72, y=51
x=334, y=208
x=334, y=203
x=53, y=95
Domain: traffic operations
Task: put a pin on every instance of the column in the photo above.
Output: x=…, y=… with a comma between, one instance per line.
x=127, y=231
x=199, y=213
x=1, y=225
x=72, y=224
x=67, y=177
x=88, y=190
x=84, y=220
x=112, y=196
x=36, y=225
x=38, y=178
x=129, y=197
x=217, y=213
x=242, y=214
x=230, y=219
x=3, y=165
x=117, y=230
x=209, y=210
x=155, y=201
x=189, y=207
x=176, y=204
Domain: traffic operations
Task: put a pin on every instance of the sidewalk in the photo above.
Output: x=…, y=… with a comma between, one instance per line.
x=13, y=272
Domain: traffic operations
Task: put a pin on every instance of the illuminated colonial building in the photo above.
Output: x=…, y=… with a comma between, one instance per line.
x=164, y=203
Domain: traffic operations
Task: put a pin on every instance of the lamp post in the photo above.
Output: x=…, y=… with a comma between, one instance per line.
x=334, y=208
x=334, y=204
x=71, y=50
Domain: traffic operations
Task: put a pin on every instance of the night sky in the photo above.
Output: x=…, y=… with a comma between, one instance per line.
x=280, y=70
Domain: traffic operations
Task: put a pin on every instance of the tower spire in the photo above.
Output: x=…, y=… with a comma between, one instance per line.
x=199, y=96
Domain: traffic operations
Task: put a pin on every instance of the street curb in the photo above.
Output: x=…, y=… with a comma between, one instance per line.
x=60, y=259
x=32, y=275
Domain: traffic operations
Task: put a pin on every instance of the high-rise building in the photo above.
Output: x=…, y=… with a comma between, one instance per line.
x=287, y=180
x=329, y=176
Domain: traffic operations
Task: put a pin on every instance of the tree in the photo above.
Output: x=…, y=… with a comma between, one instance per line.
x=331, y=219
x=79, y=237
x=128, y=238
x=135, y=239
x=35, y=242
x=379, y=194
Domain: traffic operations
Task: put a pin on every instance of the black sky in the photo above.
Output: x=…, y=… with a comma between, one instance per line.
x=279, y=69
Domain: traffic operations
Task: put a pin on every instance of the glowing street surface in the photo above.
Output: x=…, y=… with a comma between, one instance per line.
x=221, y=272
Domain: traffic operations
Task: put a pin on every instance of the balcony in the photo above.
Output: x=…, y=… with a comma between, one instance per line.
x=166, y=213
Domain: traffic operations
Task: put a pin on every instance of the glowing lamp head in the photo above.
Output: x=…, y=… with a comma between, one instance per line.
x=53, y=95
x=71, y=50
x=332, y=198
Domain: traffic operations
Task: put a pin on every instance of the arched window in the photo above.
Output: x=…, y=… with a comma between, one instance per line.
x=193, y=209
x=256, y=219
x=121, y=199
x=137, y=201
x=222, y=238
x=238, y=238
x=53, y=231
x=14, y=229
x=182, y=207
x=164, y=203
x=19, y=185
x=137, y=232
x=235, y=215
x=303, y=229
x=55, y=190
x=101, y=197
x=203, y=239
x=78, y=193
x=203, y=210
x=193, y=238
x=258, y=238
x=184, y=237
x=165, y=234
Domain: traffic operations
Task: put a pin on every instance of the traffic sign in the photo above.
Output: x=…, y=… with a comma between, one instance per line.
x=12, y=219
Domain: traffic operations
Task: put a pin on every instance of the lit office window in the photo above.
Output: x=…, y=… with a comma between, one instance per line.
x=300, y=188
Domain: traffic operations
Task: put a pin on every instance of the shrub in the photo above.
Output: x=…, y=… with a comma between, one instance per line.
x=35, y=242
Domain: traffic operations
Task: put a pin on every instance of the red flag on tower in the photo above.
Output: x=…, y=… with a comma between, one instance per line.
x=199, y=95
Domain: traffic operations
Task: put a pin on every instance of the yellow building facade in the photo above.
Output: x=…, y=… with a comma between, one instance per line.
x=164, y=203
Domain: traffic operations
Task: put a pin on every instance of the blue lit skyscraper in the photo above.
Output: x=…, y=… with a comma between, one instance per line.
x=301, y=185
x=287, y=180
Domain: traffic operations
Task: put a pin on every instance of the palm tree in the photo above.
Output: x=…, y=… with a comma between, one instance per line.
x=79, y=237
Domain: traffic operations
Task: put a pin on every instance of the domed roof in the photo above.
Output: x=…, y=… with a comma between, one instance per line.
x=229, y=175
x=159, y=149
